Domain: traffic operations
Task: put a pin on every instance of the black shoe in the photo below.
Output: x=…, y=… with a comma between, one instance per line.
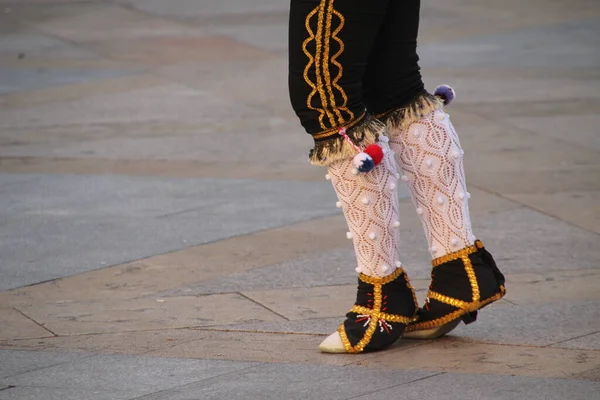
x=461, y=283
x=383, y=309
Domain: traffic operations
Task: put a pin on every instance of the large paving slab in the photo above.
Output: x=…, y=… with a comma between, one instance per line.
x=285, y=381
x=46, y=393
x=464, y=356
x=70, y=318
x=145, y=375
x=93, y=21
x=109, y=221
x=566, y=45
x=536, y=325
x=185, y=267
x=15, y=362
x=488, y=387
x=189, y=8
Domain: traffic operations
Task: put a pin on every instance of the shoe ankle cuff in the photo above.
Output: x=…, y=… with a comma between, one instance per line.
x=464, y=252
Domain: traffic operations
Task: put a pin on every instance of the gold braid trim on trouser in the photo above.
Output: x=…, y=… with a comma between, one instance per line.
x=464, y=307
x=375, y=314
x=327, y=97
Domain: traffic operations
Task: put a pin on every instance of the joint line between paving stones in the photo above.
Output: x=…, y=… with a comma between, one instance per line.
x=34, y=321
x=573, y=338
x=398, y=385
x=257, y=331
x=494, y=193
x=263, y=306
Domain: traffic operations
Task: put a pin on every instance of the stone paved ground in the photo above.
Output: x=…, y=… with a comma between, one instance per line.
x=146, y=254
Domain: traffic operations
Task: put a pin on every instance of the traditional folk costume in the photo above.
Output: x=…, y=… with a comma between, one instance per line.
x=355, y=84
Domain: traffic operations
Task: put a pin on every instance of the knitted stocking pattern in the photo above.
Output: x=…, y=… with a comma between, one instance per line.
x=370, y=205
x=430, y=155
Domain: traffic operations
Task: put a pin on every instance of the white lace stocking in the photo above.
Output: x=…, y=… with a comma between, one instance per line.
x=370, y=205
x=429, y=153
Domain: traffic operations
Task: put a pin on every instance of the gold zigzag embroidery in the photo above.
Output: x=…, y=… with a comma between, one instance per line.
x=334, y=61
x=311, y=60
x=321, y=58
x=321, y=62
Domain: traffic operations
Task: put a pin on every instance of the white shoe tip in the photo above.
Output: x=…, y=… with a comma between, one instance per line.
x=332, y=344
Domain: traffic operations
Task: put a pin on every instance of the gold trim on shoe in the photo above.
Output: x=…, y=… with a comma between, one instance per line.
x=454, y=256
x=464, y=307
x=374, y=313
x=470, y=307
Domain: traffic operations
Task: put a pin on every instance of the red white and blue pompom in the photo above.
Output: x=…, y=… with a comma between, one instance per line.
x=363, y=162
x=446, y=93
x=366, y=159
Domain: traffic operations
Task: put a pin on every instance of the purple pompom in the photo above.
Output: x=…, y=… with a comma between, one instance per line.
x=445, y=92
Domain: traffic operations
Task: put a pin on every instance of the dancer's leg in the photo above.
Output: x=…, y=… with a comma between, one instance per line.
x=465, y=277
x=330, y=42
x=385, y=301
x=429, y=152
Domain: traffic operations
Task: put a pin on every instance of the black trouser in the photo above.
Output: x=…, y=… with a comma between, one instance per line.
x=351, y=58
